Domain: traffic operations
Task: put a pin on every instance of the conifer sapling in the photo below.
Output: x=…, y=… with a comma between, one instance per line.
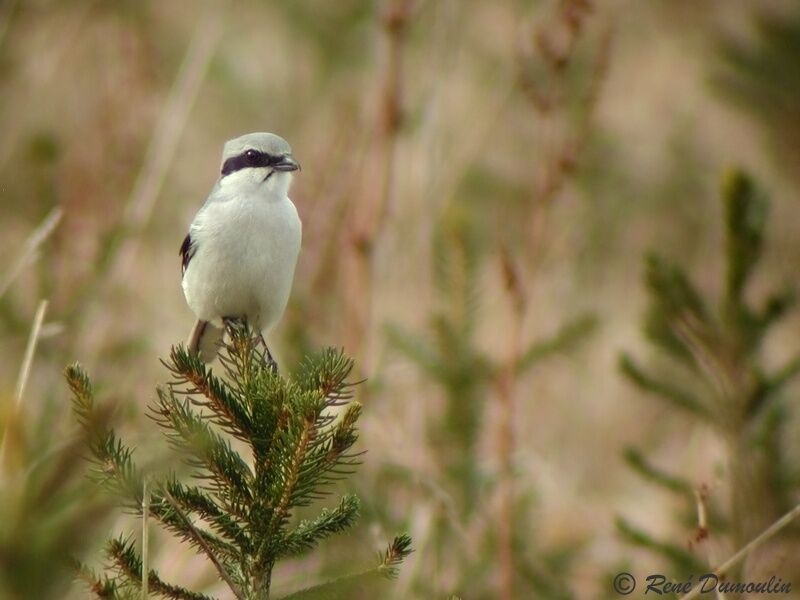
x=237, y=510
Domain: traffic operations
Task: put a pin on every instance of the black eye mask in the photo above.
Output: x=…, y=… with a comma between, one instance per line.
x=250, y=159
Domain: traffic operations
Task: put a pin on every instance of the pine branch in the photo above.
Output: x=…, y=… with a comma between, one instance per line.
x=298, y=445
x=174, y=520
x=112, y=459
x=114, y=467
x=208, y=451
x=745, y=219
x=723, y=348
x=192, y=499
x=128, y=562
x=308, y=533
x=243, y=358
x=327, y=460
x=775, y=382
x=201, y=540
x=675, y=303
x=360, y=583
x=662, y=389
x=397, y=551
x=566, y=338
x=417, y=349
x=272, y=413
x=776, y=306
x=291, y=473
x=82, y=393
x=670, y=482
x=103, y=587
x=682, y=560
x=327, y=374
x=227, y=411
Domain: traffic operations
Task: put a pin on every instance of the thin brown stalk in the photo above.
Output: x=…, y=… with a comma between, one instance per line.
x=561, y=146
x=371, y=214
x=506, y=385
x=561, y=150
x=746, y=550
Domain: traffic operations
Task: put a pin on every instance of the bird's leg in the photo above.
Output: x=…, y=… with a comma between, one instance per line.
x=232, y=323
x=271, y=361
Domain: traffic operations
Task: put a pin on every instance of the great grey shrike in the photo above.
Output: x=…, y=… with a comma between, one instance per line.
x=239, y=257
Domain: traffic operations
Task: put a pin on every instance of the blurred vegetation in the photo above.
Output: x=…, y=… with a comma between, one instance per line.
x=449, y=356
x=761, y=75
x=480, y=184
x=718, y=374
x=49, y=512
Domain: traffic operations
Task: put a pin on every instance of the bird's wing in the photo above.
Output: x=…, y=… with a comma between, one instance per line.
x=187, y=252
x=189, y=245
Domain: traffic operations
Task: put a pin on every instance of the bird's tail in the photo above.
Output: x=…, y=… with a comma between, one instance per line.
x=205, y=340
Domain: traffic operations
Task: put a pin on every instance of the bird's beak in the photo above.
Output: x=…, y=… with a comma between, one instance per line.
x=287, y=163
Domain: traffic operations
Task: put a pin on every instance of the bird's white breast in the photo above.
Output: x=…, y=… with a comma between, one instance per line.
x=246, y=250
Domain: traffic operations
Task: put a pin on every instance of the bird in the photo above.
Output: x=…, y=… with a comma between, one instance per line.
x=239, y=257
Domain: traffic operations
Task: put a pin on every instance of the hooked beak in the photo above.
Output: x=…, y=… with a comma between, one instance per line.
x=287, y=163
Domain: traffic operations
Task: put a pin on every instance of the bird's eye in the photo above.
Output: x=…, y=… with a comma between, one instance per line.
x=251, y=154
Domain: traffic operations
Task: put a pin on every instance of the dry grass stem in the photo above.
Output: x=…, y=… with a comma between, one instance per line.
x=30, y=249
x=160, y=152
x=167, y=134
x=506, y=384
x=30, y=350
x=24, y=375
x=748, y=548
x=145, y=540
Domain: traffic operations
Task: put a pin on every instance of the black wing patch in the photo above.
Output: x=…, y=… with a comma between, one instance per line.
x=187, y=252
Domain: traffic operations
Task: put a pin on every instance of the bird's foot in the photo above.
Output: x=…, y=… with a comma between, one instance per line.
x=240, y=323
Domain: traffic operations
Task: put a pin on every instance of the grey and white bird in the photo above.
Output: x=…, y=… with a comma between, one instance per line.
x=239, y=257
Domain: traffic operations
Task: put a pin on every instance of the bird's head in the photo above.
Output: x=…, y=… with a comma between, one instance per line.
x=257, y=159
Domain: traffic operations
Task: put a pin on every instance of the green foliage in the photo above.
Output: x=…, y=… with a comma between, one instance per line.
x=720, y=347
x=563, y=341
x=717, y=350
x=48, y=511
x=351, y=585
x=681, y=559
x=639, y=463
x=238, y=509
x=452, y=357
x=762, y=76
